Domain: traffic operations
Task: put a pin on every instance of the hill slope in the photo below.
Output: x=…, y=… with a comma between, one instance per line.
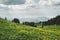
x=13, y=31
x=53, y=21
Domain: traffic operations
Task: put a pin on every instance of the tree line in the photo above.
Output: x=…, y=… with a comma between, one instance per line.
x=53, y=21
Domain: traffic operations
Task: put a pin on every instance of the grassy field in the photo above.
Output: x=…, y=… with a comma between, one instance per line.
x=13, y=31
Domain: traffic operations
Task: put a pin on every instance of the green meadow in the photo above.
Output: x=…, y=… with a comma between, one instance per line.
x=14, y=31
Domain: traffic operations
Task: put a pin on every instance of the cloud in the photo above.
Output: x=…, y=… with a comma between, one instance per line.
x=15, y=4
x=31, y=2
x=32, y=8
x=12, y=2
x=28, y=4
x=49, y=2
x=36, y=1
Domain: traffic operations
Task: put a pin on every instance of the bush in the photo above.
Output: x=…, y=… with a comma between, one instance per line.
x=16, y=20
x=30, y=24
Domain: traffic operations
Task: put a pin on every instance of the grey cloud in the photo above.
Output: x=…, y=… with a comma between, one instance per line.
x=12, y=2
x=36, y=1
x=58, y=4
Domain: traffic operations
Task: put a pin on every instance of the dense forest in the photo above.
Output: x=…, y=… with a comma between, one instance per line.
x=53, y=21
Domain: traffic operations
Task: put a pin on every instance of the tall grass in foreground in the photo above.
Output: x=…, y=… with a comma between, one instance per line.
x=13, y=31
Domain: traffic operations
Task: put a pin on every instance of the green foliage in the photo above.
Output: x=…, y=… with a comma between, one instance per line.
x=16, y=20
x=30, y=24
x=13, y=31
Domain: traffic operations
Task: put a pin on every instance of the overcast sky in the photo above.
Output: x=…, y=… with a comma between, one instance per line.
x=29, y=8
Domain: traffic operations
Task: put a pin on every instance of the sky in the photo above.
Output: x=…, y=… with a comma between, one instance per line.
x=29, y=8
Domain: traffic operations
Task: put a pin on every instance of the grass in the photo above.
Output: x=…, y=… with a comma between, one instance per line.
x=13, y=31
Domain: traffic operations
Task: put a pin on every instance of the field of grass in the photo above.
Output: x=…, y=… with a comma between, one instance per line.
x=13, y=31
